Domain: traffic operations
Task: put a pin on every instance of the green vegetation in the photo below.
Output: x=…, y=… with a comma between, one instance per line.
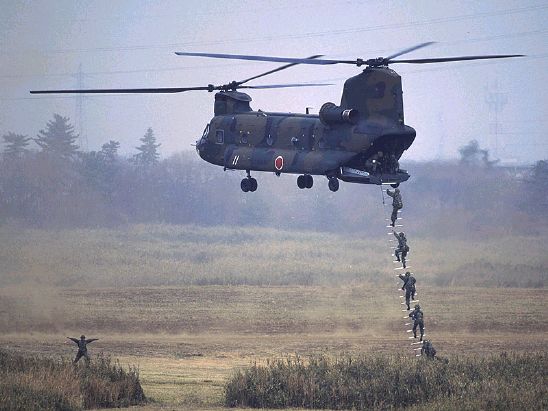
x=498, y=382
x=41, y=383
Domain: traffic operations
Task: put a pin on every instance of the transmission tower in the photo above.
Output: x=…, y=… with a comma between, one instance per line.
x=83, y=139
x=496, y=100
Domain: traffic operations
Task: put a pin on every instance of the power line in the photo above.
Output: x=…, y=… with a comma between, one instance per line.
x=200, y=67
x=339, y=32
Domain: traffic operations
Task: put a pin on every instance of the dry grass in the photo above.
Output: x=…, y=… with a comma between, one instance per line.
x=164, y=255
x=188, y=304
x=187, y=341
x=43, y=383
x=499, y=382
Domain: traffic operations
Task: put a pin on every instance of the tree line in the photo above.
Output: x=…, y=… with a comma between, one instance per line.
x=59, y=185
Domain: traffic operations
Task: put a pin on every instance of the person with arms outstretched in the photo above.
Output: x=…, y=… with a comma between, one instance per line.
x=82, y=344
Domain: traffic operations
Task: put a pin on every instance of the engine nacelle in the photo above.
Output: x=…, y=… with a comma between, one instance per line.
x=333, y=114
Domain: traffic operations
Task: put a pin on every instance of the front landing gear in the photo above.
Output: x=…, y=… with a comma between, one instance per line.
x=305, y=181
x=248, y=183
x=333, y=183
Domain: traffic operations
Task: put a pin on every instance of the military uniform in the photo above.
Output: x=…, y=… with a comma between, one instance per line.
x=428, y=349
x=409, y=287
x=418, y=321
x=374, y=162
x=401, y=251
x=82, y=347
x=397, y=204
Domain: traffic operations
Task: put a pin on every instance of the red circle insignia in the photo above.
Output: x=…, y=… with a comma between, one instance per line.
x=279, y=163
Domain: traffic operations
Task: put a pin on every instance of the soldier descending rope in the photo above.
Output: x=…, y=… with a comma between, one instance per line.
x=409, y=287
x=397, y=204
x=402, y=248
x=417, y=316
x=428, y=349
x=82, y=347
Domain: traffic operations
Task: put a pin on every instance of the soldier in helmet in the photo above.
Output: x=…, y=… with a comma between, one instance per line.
x=402, y=249
x=82, y=347
x=428, y=349
x=409, y=287
x=397, y=204
x=417, y=316
x=374, y=162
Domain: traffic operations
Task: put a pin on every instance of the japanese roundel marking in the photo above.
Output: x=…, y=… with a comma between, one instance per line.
x=279, y=163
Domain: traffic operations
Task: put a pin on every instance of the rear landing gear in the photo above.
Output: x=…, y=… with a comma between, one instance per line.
x=305, y=181
x=248, y=183
x=333, y=183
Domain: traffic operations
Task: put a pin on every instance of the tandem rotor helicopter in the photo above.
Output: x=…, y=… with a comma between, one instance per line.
x=358, y=141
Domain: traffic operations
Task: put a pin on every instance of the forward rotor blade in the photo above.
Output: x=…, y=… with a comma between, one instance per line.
x=410, y=49
x=277, y=69
x=262, y=58
x=461, y=58
x=287, y=85
x=120, y=90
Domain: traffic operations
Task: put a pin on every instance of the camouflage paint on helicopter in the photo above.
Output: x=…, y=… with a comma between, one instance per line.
x=336, y=143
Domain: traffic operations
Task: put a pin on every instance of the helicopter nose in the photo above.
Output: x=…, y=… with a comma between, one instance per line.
x=200, y=145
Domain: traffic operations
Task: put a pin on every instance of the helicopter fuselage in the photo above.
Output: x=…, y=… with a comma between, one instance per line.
x=302, y=144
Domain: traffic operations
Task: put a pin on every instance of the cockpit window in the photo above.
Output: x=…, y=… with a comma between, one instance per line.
x=206, y=131
x=220, y=136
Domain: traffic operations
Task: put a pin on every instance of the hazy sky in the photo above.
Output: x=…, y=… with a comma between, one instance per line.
x=43, y=44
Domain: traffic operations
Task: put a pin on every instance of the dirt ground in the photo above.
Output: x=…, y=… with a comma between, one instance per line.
x=187, y=341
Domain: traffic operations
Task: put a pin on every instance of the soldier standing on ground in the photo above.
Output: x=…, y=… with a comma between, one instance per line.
x=82, y=347
x=397, y=204
x=418, y=321
x=402, y=249
x=428, y=349
x=409, y=287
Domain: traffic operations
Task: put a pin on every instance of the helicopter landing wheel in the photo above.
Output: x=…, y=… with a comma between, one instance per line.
x=301, y=182
x=395, y=185
x=333, y=184
x=309, y=181
x=253, y=184
x=248, y=184
x=245, y=185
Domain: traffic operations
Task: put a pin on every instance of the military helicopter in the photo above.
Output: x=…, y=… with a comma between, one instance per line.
x=360, y=141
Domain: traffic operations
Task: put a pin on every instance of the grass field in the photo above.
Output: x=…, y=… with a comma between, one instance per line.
x=156, y=296
x=163, y=255
x=188, y=340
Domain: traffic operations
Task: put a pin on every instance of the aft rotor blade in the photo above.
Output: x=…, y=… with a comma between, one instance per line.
x=288, y=85
x=410, y=49
x=121, y=90
x=263, y=58
x=277, y=69
x=461, y=58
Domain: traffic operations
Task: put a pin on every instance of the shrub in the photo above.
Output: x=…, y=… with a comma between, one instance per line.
x=44, y=383
x=380, y=382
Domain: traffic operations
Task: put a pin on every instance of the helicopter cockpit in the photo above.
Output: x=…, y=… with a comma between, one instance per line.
x=231, y=102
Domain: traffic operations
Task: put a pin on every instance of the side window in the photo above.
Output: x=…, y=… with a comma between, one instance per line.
x=220, y=136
